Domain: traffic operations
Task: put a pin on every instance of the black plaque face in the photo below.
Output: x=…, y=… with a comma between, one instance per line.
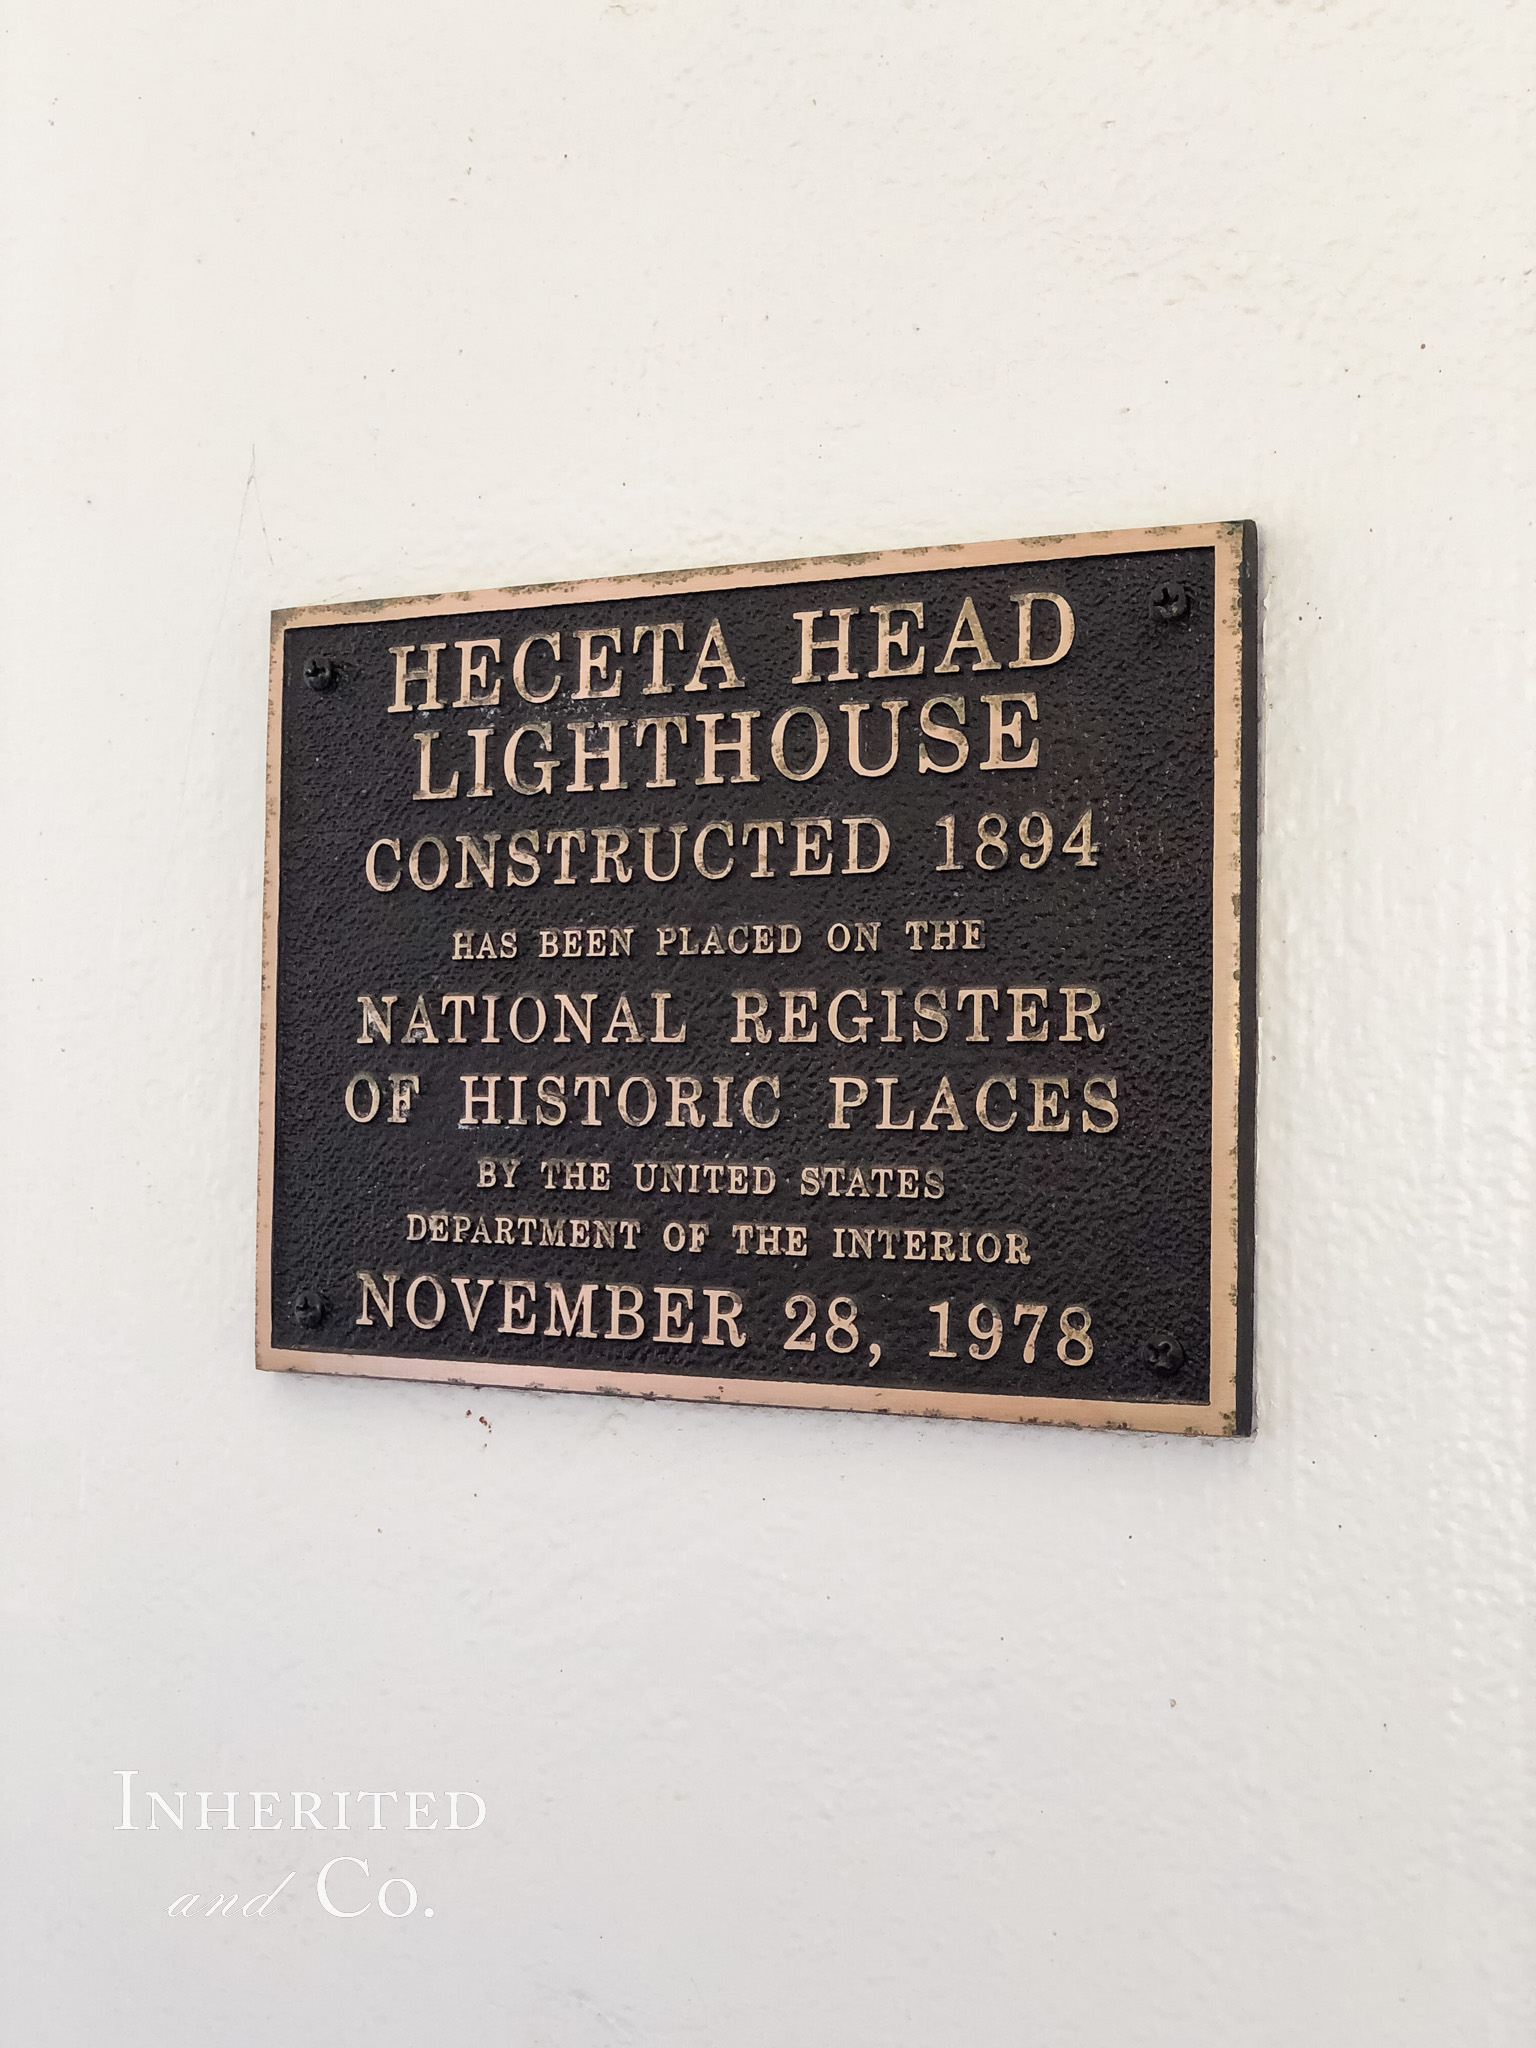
x=823, y=983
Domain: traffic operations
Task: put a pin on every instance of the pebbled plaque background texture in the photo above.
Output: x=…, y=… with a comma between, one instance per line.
x=1120, y=1223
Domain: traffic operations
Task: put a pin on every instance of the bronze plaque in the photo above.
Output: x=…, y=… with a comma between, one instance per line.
x=822, y=983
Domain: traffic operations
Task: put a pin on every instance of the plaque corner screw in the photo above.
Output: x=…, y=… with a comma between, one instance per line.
x=1169, y=601
x=309, y=1308
x=321, y=674
x=1162, y=1353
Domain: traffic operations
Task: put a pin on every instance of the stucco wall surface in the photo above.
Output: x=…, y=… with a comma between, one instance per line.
x=791, y=1728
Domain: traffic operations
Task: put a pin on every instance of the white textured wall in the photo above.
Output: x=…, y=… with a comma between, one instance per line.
x=793, y=1728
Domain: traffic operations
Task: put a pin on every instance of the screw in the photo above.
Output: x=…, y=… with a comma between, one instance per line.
x=1163, y=1354
x=309, y=1308
x=322, y=675
x=1169, y=601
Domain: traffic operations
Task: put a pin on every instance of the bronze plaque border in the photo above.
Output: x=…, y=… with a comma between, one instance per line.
x=1229, y=1412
